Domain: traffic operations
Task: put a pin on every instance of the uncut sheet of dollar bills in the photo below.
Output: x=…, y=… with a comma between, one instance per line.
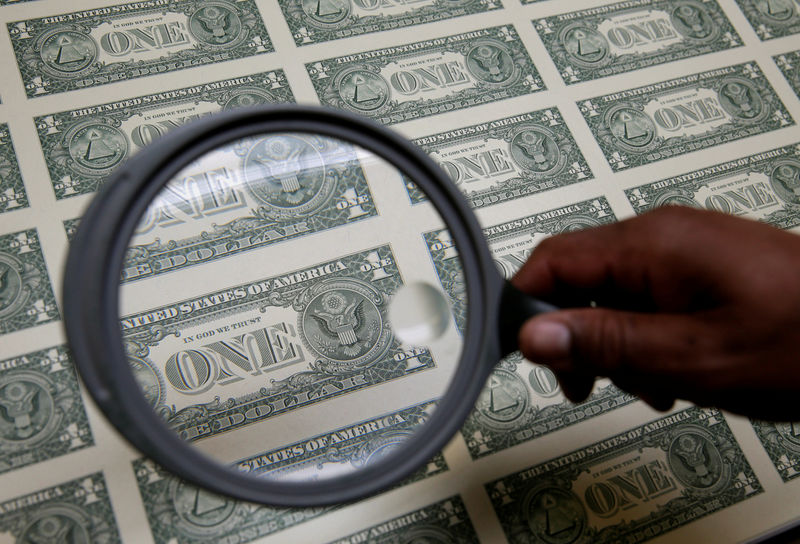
x=549, y=115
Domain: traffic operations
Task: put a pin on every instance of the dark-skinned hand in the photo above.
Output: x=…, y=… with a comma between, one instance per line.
x=691, y=304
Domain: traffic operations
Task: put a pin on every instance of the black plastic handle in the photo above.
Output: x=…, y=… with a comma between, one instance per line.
x=515, y=309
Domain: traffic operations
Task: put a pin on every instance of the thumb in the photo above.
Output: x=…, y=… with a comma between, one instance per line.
x=609, y=342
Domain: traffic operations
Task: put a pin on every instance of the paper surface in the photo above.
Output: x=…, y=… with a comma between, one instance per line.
x=549, y=116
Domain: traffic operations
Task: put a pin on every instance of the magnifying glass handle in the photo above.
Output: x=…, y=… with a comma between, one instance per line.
x=515, y=309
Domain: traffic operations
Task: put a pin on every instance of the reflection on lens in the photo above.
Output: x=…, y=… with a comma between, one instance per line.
x=255, y=305
x=419, y=314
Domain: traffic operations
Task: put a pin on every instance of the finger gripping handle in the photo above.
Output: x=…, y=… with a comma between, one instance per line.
x=515, y=309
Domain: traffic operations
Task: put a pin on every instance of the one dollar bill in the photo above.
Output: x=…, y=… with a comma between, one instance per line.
x=12, y=189
x=772, y=18
x=675, y=117
x=446, y=521
x=26, y=296
x=627, y=36
x=782, y=443
x=315, y=21
x=631, y=487
x=508, y=158
x=426, y=78
x=179, y=511
x=82, y=147
x=75, y=511
x=521, y=401
x=355, y=445
x=270, y=346
x=764, y=186
x=116, y=43
x=41, y=410
x=248, y=195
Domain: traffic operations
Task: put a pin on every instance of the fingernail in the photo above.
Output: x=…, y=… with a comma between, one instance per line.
x=547, y=340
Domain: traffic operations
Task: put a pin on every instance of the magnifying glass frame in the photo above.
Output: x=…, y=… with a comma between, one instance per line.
x=91, y=301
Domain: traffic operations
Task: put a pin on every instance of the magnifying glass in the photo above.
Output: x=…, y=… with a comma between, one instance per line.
x=256, y=301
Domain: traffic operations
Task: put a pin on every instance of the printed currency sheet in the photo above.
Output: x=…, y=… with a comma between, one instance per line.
x=549, y=115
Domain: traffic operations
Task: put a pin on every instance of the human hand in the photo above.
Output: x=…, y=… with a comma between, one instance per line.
x=691, y=304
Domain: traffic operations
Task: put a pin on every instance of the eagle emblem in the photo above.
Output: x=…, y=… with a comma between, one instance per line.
x=342, y=322
x=340, y=317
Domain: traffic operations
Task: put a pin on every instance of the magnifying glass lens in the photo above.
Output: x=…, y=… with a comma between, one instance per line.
x=281, y=311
